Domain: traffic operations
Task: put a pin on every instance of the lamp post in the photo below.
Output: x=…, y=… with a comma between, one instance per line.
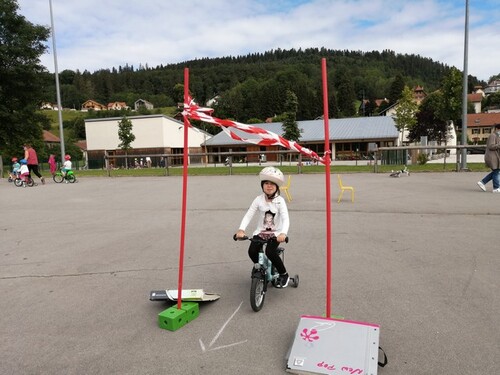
x=58, y=91
x=463, y=164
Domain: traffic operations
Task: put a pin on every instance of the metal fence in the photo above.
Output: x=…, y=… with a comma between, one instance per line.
x=401, y=155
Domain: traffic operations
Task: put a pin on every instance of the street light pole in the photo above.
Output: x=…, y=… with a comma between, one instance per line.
x=58, y=92
x=465, y=88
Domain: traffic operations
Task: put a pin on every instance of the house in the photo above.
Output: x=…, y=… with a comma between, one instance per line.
x=418, y=96
x=154, y=135
x=82, y=145
x=349, y=137
x=476, y=100
x=117, y=106
x=51, y=140
x=143, y=103
x=480, y=125
x=92, y=104
x=213, y=101
x=49, y=106
x=493, y=86
x=366, y=102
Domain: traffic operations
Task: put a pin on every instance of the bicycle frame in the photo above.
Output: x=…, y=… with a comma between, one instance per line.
x=68, y=177
x=264, y=264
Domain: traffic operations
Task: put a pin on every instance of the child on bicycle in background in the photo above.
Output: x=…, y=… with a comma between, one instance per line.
x=24, y=172
x=66, y=165
x=273, y=221
x=15, y=168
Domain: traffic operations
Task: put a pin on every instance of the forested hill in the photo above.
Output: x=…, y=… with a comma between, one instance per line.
x=253, y=87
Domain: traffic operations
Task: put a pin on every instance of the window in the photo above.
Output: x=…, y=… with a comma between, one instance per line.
x=487, y=131
x=475, y=131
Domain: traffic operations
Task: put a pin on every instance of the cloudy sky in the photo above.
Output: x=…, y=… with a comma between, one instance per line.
x=102, y=34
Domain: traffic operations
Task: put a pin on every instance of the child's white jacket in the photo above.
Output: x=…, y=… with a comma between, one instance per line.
x=272, y=216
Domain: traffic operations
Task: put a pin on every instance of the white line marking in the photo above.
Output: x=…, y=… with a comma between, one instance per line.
x=203, y=349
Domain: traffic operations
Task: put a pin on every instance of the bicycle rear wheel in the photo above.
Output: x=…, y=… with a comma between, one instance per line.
x=257, y=293
x=71, y=178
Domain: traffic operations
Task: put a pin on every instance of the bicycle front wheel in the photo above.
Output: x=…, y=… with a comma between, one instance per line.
x=257, y=293
x=58, y=178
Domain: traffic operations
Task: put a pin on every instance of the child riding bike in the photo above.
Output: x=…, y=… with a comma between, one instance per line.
x=273, y=223
x=15, y=169
x=67, y=166
x=24, y=171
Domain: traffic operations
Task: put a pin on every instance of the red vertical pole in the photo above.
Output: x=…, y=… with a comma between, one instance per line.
x=328, y=195
x=184, y=192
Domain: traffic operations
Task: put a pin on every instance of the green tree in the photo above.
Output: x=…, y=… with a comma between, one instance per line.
x=126, y=136
x=21, y=89
x=290, y=126
x=452, y=96
x=346, y=96
x=492, y=101
x=179, y=93
x=429, y=121
x=397, y=87
x=406, y=110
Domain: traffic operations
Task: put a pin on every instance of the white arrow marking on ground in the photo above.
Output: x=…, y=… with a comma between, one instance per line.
x=203, y=349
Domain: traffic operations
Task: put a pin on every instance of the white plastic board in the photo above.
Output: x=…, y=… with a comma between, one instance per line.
x=333, y=346
x=195, y=295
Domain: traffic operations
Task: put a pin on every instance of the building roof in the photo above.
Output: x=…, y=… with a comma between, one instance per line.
x=49, y=137
x=82, y=145
x=474, y=98
x=345, y=129
x=104, y=119
x=482, y=119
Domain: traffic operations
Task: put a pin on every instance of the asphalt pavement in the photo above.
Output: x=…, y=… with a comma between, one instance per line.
x=417, y=255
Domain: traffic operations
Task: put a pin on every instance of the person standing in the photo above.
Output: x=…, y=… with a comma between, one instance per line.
x=32, y=159
x=52, y=164
x=492, y=160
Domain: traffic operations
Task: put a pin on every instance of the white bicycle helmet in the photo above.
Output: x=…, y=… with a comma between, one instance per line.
x=272, y=174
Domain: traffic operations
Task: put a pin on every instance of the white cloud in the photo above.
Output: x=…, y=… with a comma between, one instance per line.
x=92, y=35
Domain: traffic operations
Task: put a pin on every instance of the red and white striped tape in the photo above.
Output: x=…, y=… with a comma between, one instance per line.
x=265, y=137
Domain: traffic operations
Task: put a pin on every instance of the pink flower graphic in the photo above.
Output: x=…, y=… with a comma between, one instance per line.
x=309, y=335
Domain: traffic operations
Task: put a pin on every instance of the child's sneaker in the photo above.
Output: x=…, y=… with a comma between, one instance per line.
x=282, y=280
x=481, y=185
x=496, y=190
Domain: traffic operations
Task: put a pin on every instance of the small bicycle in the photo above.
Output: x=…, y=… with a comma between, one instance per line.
x=13, y=176
x=263, y=273
x=69, y=177
x=400, y=172
x=29, y=181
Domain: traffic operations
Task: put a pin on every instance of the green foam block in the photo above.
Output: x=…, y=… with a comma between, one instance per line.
x=174, y=318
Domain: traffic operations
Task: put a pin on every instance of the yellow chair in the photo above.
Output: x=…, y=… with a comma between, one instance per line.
x=286, y=187
x=343, y=188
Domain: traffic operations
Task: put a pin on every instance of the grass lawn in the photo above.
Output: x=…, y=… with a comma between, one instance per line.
x=254, y=170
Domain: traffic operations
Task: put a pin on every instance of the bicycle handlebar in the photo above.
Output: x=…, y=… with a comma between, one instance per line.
x=255, y=240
